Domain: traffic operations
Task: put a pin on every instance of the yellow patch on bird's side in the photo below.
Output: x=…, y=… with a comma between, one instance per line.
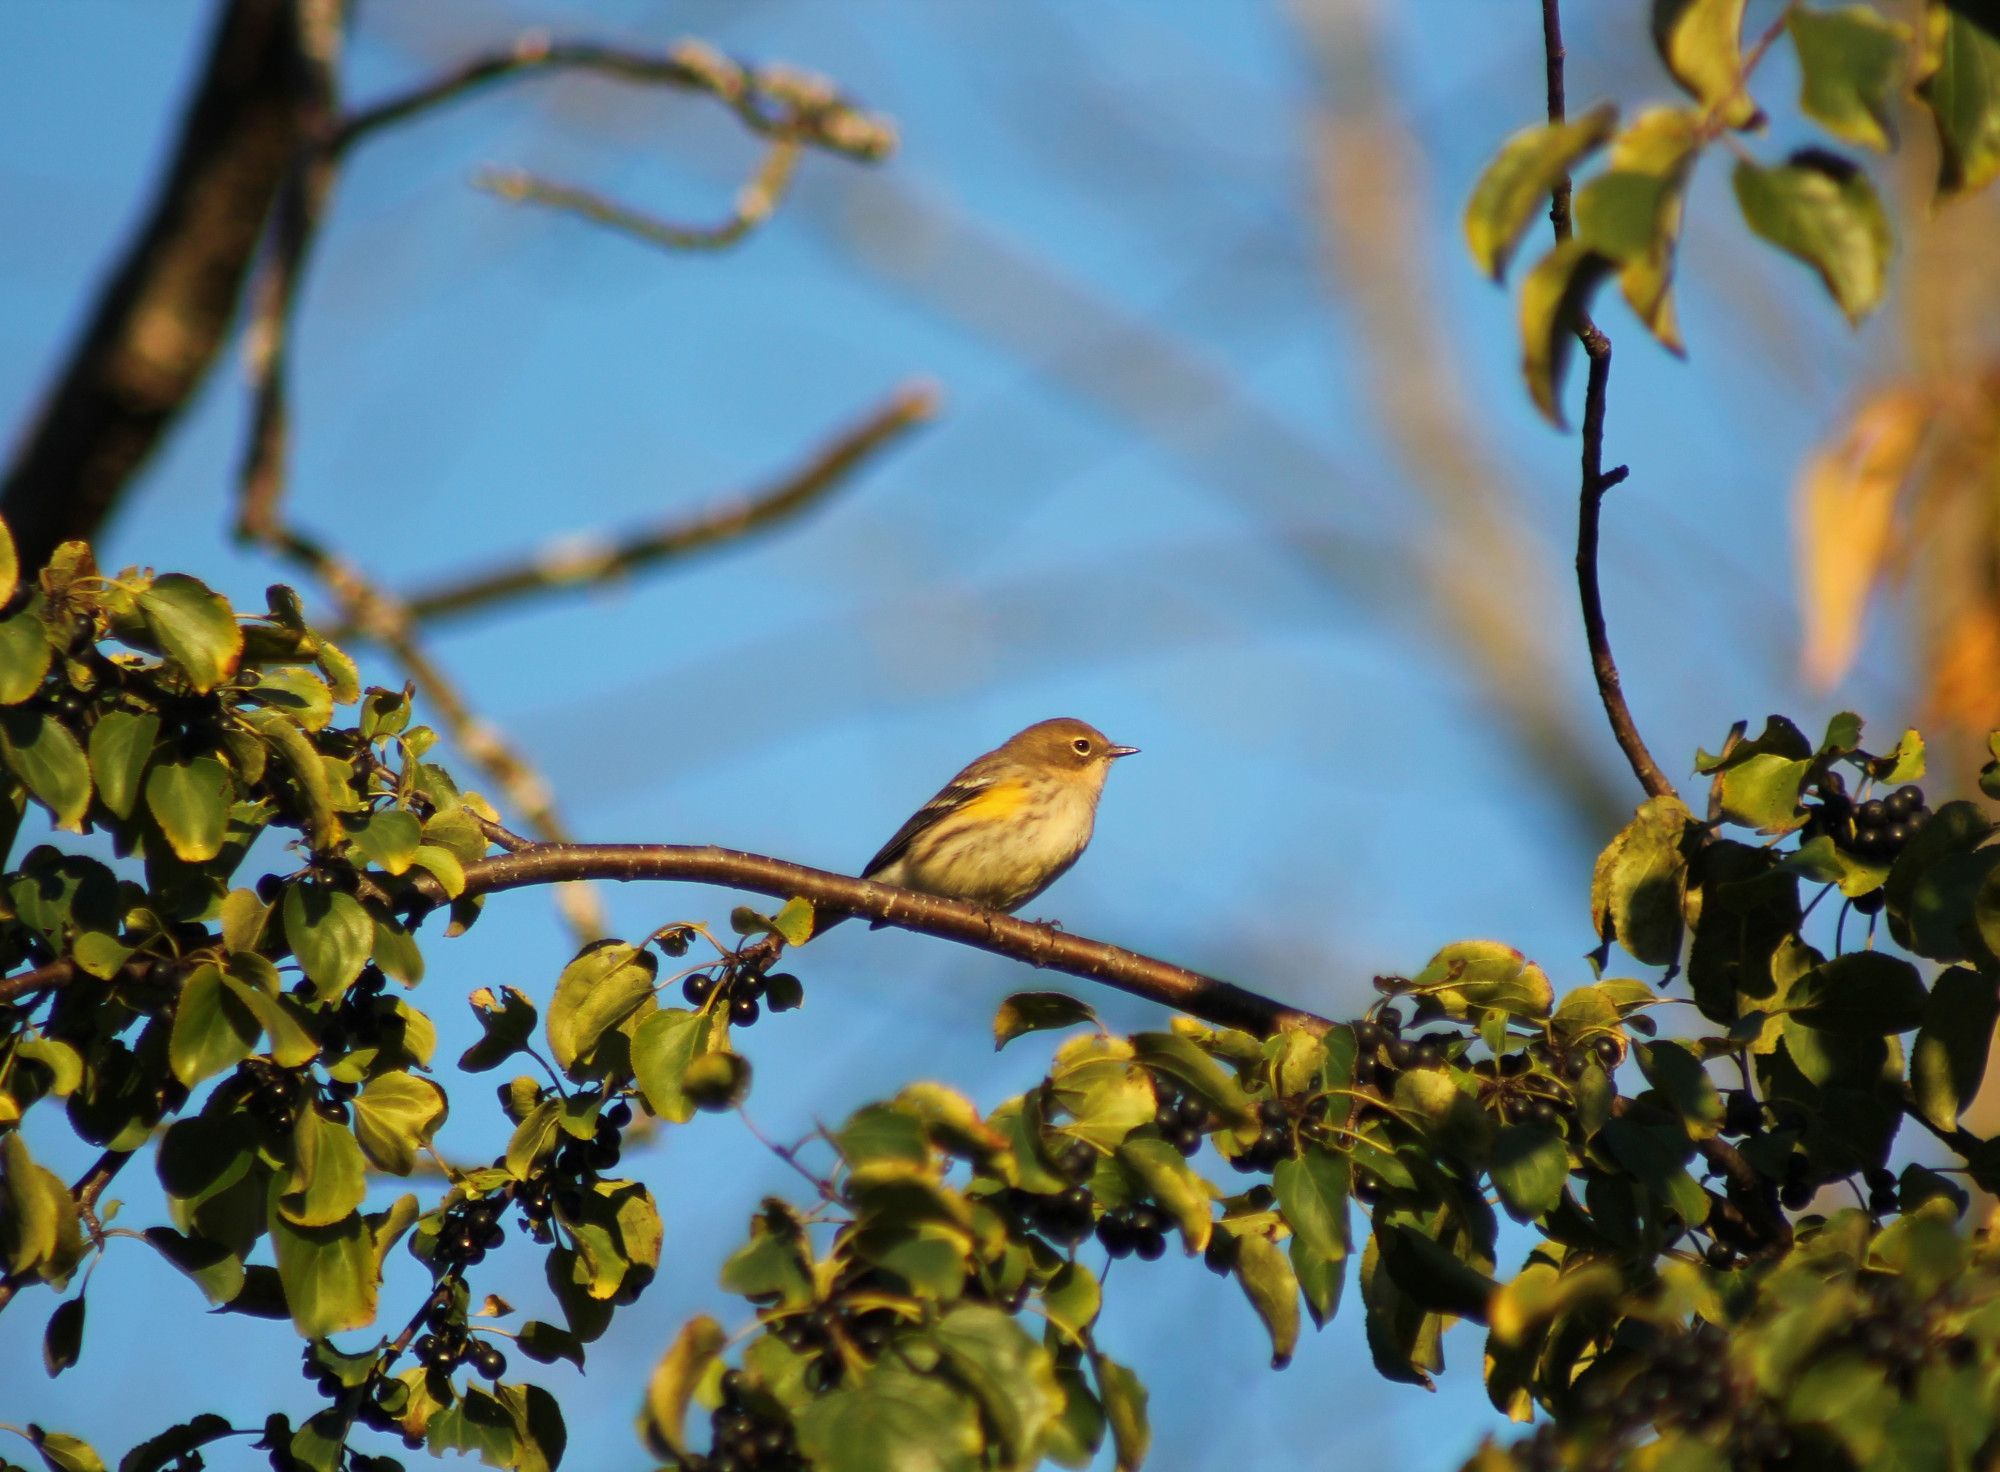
x=1001, y=800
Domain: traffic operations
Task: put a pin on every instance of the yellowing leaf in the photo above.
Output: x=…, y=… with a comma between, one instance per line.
x=1846, y=505
x=1701, y=43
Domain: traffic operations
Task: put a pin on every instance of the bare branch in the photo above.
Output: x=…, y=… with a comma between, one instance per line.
x=574, y=564
x=956, y=920
x=1596, y=481
x=755, y=203
x=165, y=312
x=775, y=101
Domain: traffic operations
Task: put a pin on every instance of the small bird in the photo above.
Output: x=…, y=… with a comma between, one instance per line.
x=1009, y=825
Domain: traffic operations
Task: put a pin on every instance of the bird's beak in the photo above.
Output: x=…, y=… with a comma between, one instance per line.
x=1124, y=751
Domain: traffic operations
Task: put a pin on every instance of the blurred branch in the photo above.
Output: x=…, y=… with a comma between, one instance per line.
x=1487, y=580
x=575, y=563
x=774, y=101
x=1596, y=480
x=789, y=107
x=164, y=314
x=754, y=203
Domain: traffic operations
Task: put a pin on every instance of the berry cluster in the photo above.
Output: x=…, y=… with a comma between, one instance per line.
x=377, y=1401
x=1684, y=1380
x=445, y=1344
x=1574, y=1060
x=1182, y=1120
x=1510, y=1088
x=1065, y=1217
x=356, y=1022
x=1380, y=1043
x=1273, y=1142
x=469, y=1230
x=1876, y=829
x=743, y=1437
x=268, y=1092
x=815, y=1333
x=742, y=992
x=1139, y=1229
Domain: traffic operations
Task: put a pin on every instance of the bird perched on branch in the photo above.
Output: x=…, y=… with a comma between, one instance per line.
x=1009, y=825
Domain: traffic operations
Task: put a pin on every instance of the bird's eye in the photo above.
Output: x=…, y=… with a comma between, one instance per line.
x=1082, y=745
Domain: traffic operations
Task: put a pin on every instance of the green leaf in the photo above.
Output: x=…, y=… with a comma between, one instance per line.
x=1124, y=1399
x=1273, y=1290
x=1312, y=1193
x=1027, y=1012
x=1072, y=1299
x=25, y=655
x=291, y=1044
x=1824, y=211
x=1761, y=791
x=1078, y=1432
x=597, y=991
x=1529, y=1166
x=1962, y=89
x=120, y=744
x=172, y=1445
x=243, y=920
x=666, y=1043
x=308, y=774
x=794, y=923
x=509, y=1021
x=62, y=1339
x=330, y=933
x=329, y=1274
x=1555, y=301
x=1180, y=1060
x=39, y=750
x=10, y=564
x=388, y=838
x=64, y=1453
x=1432, y=1275
x=190, y=798
x=1321, y=1280
x=212, y=1030
x=1517, y=184
x=1105, y=1094
x=891, y=1419
x=664, y=1416
x=193, y=627
x=39, y=1231
x=1008, y=1373
x=327, y=1178
x=1948, y=1062
x=717, y=1080
x=1485, y=975
x=545, y=1343
x=1172, y=1182
x=1701, y=43
x=1850, y=71
x=1681, y=1080
x=1866, y=992
x=395, y=1115
x=1632, y=212
x=296, y=692
x=1641, y=880
x=534, y=1139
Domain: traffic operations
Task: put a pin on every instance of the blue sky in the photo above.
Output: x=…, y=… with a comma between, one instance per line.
x=1099, y=239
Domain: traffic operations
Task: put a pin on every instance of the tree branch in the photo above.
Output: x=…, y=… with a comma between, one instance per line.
x=1596, y=480
x=1174, y=986
x=165, y=313
x=570, y=565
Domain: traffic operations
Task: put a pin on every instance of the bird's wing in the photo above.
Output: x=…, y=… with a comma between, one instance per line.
x=955, y=795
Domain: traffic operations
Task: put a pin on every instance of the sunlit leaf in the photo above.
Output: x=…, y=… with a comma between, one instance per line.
x=1824, y=211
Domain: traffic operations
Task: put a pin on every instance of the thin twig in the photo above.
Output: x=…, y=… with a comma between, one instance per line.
x=573, y=565
x=88, y=1188
x=775, y=101
x=755, y=202
x=1596, y=480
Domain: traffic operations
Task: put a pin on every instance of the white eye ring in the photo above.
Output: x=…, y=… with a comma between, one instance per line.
x=1082, y=745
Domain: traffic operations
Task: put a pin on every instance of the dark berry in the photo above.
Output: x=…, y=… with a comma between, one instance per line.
x=489, y=1361
x=1114, y=1236
x=743, y=1010
x=1186, y=1139
x=1904, y=801
x=1797, y=1194
x=1400, y=1053
x=1428, y=1053
x=1368, y=1037
x=1151, y=1246
x=697, y=988
x=1870, y=903
x=1871, y=814
x=1389, y=1020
